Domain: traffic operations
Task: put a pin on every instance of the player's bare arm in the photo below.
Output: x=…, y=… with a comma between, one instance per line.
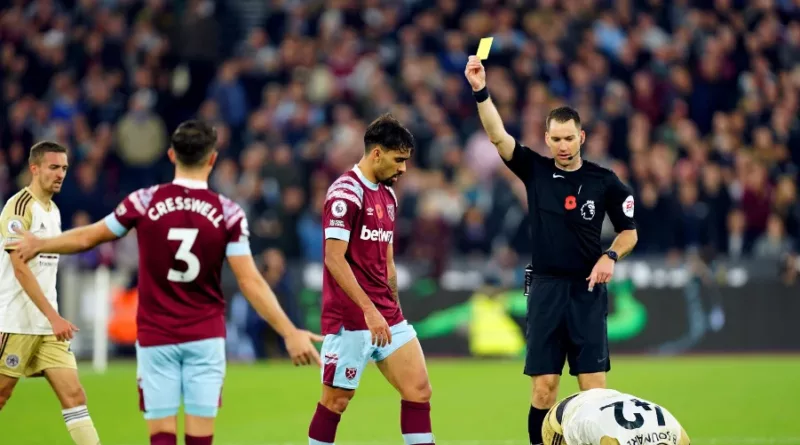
x=72, y=241
x=391, y=272
x=340, y=269
x=62, y=329
x=490, y=117
x=298, y=342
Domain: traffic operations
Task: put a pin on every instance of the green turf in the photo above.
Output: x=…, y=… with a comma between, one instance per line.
x=720, y=400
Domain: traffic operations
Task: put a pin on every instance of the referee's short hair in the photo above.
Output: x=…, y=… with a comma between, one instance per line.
x=563, y=114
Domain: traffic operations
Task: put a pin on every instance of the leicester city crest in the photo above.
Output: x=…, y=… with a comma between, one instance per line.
x=12, y=361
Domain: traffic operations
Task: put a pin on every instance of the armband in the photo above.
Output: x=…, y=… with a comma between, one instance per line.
x=481, y=95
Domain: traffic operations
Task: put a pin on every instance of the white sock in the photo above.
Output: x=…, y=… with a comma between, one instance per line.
x=72, y=415
x=80, y=425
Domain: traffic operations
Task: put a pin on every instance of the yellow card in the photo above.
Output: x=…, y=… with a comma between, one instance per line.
x=484, y=47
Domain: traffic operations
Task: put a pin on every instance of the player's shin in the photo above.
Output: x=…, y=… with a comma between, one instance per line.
x=322, y=430
x=80, y=426
x=415, y=423
x=199, y=429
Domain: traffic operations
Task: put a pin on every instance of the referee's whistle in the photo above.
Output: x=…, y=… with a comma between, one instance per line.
x=528, y=279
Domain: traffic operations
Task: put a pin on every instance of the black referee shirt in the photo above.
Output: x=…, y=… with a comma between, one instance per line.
x=566, y=211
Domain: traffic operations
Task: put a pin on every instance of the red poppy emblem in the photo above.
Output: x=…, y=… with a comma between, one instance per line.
x=570, y=203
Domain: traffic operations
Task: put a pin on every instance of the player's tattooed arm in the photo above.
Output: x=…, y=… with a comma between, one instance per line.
x=393, y=286
x=391, y=272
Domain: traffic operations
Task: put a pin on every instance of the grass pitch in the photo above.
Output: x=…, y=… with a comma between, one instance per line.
x=733, y=400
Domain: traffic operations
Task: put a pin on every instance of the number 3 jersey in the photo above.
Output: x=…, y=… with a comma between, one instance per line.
x=184, y=232
x=595, y=413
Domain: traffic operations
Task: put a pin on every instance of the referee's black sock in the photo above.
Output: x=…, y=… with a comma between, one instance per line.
x=535, y=420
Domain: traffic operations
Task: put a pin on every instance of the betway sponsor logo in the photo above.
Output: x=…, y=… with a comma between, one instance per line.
x=381, y=235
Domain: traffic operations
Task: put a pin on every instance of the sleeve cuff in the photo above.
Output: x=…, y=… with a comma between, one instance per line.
x=239, y=248
x=115, y=226
x=337, y=233
x=626, y=226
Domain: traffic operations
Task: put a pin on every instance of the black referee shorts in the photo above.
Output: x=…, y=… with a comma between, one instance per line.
x=566, y=322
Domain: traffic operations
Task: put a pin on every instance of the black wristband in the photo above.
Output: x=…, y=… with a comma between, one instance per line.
x=481, y=95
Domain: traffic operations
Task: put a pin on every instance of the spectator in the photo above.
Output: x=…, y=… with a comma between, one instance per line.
x=228, y=92
x=737, y=245
x=309, y=228
x=141, y=140
x=274, y=271
x=773, y=244
x=698, y=111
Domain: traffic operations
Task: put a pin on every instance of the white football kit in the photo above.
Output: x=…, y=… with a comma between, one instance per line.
x=18, y=313
x=593, y=414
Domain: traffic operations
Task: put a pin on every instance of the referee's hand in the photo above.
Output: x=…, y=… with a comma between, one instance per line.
x=475, y=73
x=602, y=272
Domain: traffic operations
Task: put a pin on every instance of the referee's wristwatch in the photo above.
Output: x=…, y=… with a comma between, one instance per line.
x=611, y=254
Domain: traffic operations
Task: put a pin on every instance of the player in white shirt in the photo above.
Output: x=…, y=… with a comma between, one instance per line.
x=19, y=314
x=609, y=417
x=34, y=338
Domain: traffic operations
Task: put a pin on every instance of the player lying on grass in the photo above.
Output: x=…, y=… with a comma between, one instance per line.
x=185, y=231
x=361, y=315
x=34, y=338
x=609, y=417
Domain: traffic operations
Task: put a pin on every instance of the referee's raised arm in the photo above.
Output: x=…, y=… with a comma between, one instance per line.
x=568, y=199
x=490, y=118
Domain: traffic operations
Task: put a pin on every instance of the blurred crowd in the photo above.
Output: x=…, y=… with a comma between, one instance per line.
x=692, y=103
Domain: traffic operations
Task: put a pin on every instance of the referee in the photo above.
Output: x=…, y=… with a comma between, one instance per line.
x=568, y=199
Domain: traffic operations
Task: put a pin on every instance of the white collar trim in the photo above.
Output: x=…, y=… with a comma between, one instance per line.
x=364, y=179
x=191, y=183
